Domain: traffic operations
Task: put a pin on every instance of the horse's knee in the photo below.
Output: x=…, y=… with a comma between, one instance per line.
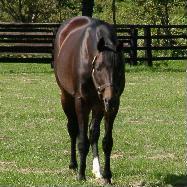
x=107, y=144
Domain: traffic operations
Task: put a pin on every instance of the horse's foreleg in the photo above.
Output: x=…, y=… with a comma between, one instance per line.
x=94, y=132
x=107, y=144
x=82, y=112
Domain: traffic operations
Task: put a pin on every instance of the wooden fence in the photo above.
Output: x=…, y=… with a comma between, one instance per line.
x=33, y=43
x=29, y=43
x=153, y=42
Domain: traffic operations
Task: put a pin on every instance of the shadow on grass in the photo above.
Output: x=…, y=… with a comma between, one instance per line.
x=176, y=180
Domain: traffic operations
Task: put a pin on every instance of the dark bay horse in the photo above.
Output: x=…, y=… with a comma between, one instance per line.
x=89, y=70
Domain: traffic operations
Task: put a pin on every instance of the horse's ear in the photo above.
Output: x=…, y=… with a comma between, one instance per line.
x=119, y=47
x=101, y=45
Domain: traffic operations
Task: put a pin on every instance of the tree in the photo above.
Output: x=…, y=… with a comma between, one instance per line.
x=87, y=7
x=28, y=11
x=68, y=8
x=159, y=11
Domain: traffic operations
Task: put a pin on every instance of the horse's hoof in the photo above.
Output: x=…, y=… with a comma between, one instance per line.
x=97, y=174
x=107, y=181
x=73, y=166
x=81, y=178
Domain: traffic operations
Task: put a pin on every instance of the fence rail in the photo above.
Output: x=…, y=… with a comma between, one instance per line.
x=143, y=41
x=33, y=42
x=28, y=43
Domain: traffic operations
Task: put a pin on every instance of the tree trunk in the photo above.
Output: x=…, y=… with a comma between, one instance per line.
x=114, y=11
x=87, y=7
x=163, y=13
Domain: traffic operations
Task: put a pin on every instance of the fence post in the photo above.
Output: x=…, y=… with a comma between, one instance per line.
x=147, y=45
x=133, y=44
x=55, y=29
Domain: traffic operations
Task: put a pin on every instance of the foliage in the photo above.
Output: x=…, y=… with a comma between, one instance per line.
x=67, y=9
x=27, y=10
x=38, y=11
x=152, y=11
x=159, y=11
x=127, y=11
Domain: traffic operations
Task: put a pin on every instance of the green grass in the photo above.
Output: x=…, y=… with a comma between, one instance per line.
x=149, y=131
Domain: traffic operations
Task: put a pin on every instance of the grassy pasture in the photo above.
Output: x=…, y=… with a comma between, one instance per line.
x=149, y=131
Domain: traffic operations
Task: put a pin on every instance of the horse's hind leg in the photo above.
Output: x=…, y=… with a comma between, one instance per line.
x=72, y=125
x=82, y=111
x=94, y=133
x=73, y=131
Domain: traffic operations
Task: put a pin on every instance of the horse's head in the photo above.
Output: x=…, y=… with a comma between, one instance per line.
x=107, y=70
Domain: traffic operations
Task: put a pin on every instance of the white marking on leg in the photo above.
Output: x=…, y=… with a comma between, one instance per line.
x=96, y=168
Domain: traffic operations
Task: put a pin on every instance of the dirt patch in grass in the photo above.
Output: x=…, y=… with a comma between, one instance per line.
x=117, y=155
x=162, y=156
